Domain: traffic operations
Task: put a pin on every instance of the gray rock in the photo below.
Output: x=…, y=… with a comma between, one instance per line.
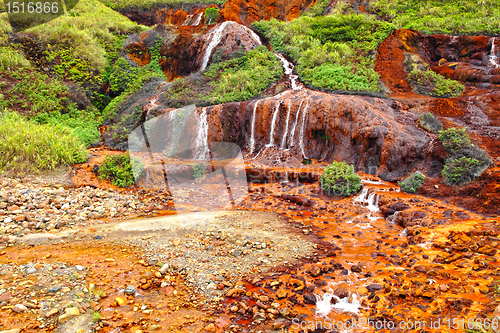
x=130, y=290
x=31, y=270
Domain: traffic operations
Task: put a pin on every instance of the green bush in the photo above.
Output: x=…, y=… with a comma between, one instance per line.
x=242, y=78
x=466, y=161
x=120, y=169
x=339, y=179
x=431, y=83
x=412, y=183
x=430, y=123
x=462, y=170
x=199, y=170
x=454, y=140
x=334, y=52
x=29, y=147
x=211, y=15
x=119, y=4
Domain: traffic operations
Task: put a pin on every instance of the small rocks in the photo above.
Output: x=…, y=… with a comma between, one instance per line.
x=210, y=327
x=120, y=301
x=18, y=308
x=52, y=312
x=53, y=290
x=374, y=287
x=129, y=290
x=341, y=292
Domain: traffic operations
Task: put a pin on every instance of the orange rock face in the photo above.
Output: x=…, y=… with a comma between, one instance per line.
x=248, y=11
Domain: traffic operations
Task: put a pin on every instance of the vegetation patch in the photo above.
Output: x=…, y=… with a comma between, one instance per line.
x=119, y=4
x=464, y=17
x=430, y=123
x=120, y=169
x=428, y=82
x=199, y=170
x=211, y=14
x=334, y=52
x=340, y=179
x=26, y=147
x=412, y=183
x=466, y=161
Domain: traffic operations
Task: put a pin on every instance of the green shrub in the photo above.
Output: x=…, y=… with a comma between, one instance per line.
x=29, y=147
x=431, y=83
x=317, y=8
x=120, y=75
x=242, y=78
x=199, y=170
x=412, y=183
x=462, y=170
x=332, y=52
x=339, y=179
x=466, y=161
x=120, y=169
x=454, y=140
x=211, y=15
x=430, y=123
x=11, y=59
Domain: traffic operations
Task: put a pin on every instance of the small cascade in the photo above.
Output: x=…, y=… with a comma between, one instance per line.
x=198, y=19
x=301, y=140
x=252, y=133
x=153, y=102
x=292, y=134
x=283, y=142
x=324, y=304
x=273, y=124
x=215, y=38
x=288, y=68
x=253, y=34
x=370, y=202
x=493, y=62
x=187, y=20
x=202, y=151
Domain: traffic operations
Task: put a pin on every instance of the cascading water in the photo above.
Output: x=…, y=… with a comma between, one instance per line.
x=493, y=62
x=292, y=133
x=254, y=35
x=202, y=151
x=286, y=127
x=215, y=38
x=252, y=133
x=288, y=68
x=370, y=202
x=198, y=19
x=273, y=124
x=153, y=102
x=301, y=140
x=186, y=21
x=324, y=304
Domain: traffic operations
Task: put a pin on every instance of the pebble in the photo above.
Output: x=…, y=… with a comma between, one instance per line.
x=129, y=290
x=19, y=308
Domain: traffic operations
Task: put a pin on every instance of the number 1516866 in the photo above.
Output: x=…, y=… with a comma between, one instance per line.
x=22, y=7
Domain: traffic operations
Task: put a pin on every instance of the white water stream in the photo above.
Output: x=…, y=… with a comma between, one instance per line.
x=273, y=124
x=301, y=140
x=493, y=62
x=252, y=133
x=292, y=133
x=202, y=151
x=283, y=141
x=288, y=68
x=370, y=202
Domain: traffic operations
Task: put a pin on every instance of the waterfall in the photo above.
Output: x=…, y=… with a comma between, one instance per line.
x=198, y=19
x=215, y=38
x=292, y=134
x=283, y=141
x=370, y=202
x=253, y=34
x=186, y=21
x=288, y=68
x=202, y=152
x=493, y=57
x=153, y=102
x=301, y=141
x=273, y=125
x=252, y=133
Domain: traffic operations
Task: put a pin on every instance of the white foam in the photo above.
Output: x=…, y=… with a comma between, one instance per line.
x=493, y=62
x=288, y=68
x=324, y=305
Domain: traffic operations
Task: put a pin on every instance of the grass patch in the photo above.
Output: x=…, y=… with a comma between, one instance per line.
x=464, y=17
x=119, y=4
x=466, y=161
x=120, y=169
x=334, y=52
x=412, y=183
x=242, y=78
x=199, y=170
x=11, y=60
x=428, y=82
x=29, y=147
x=339, y=179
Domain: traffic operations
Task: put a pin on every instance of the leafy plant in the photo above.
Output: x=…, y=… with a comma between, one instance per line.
x=199, y=170
x=466, y=161
x=412, y=183
x=430, y=123
x=120, y=169
x=339, y=179
x=29, y=147
x=96, y=316
x=211, y=14
x=431, y=83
